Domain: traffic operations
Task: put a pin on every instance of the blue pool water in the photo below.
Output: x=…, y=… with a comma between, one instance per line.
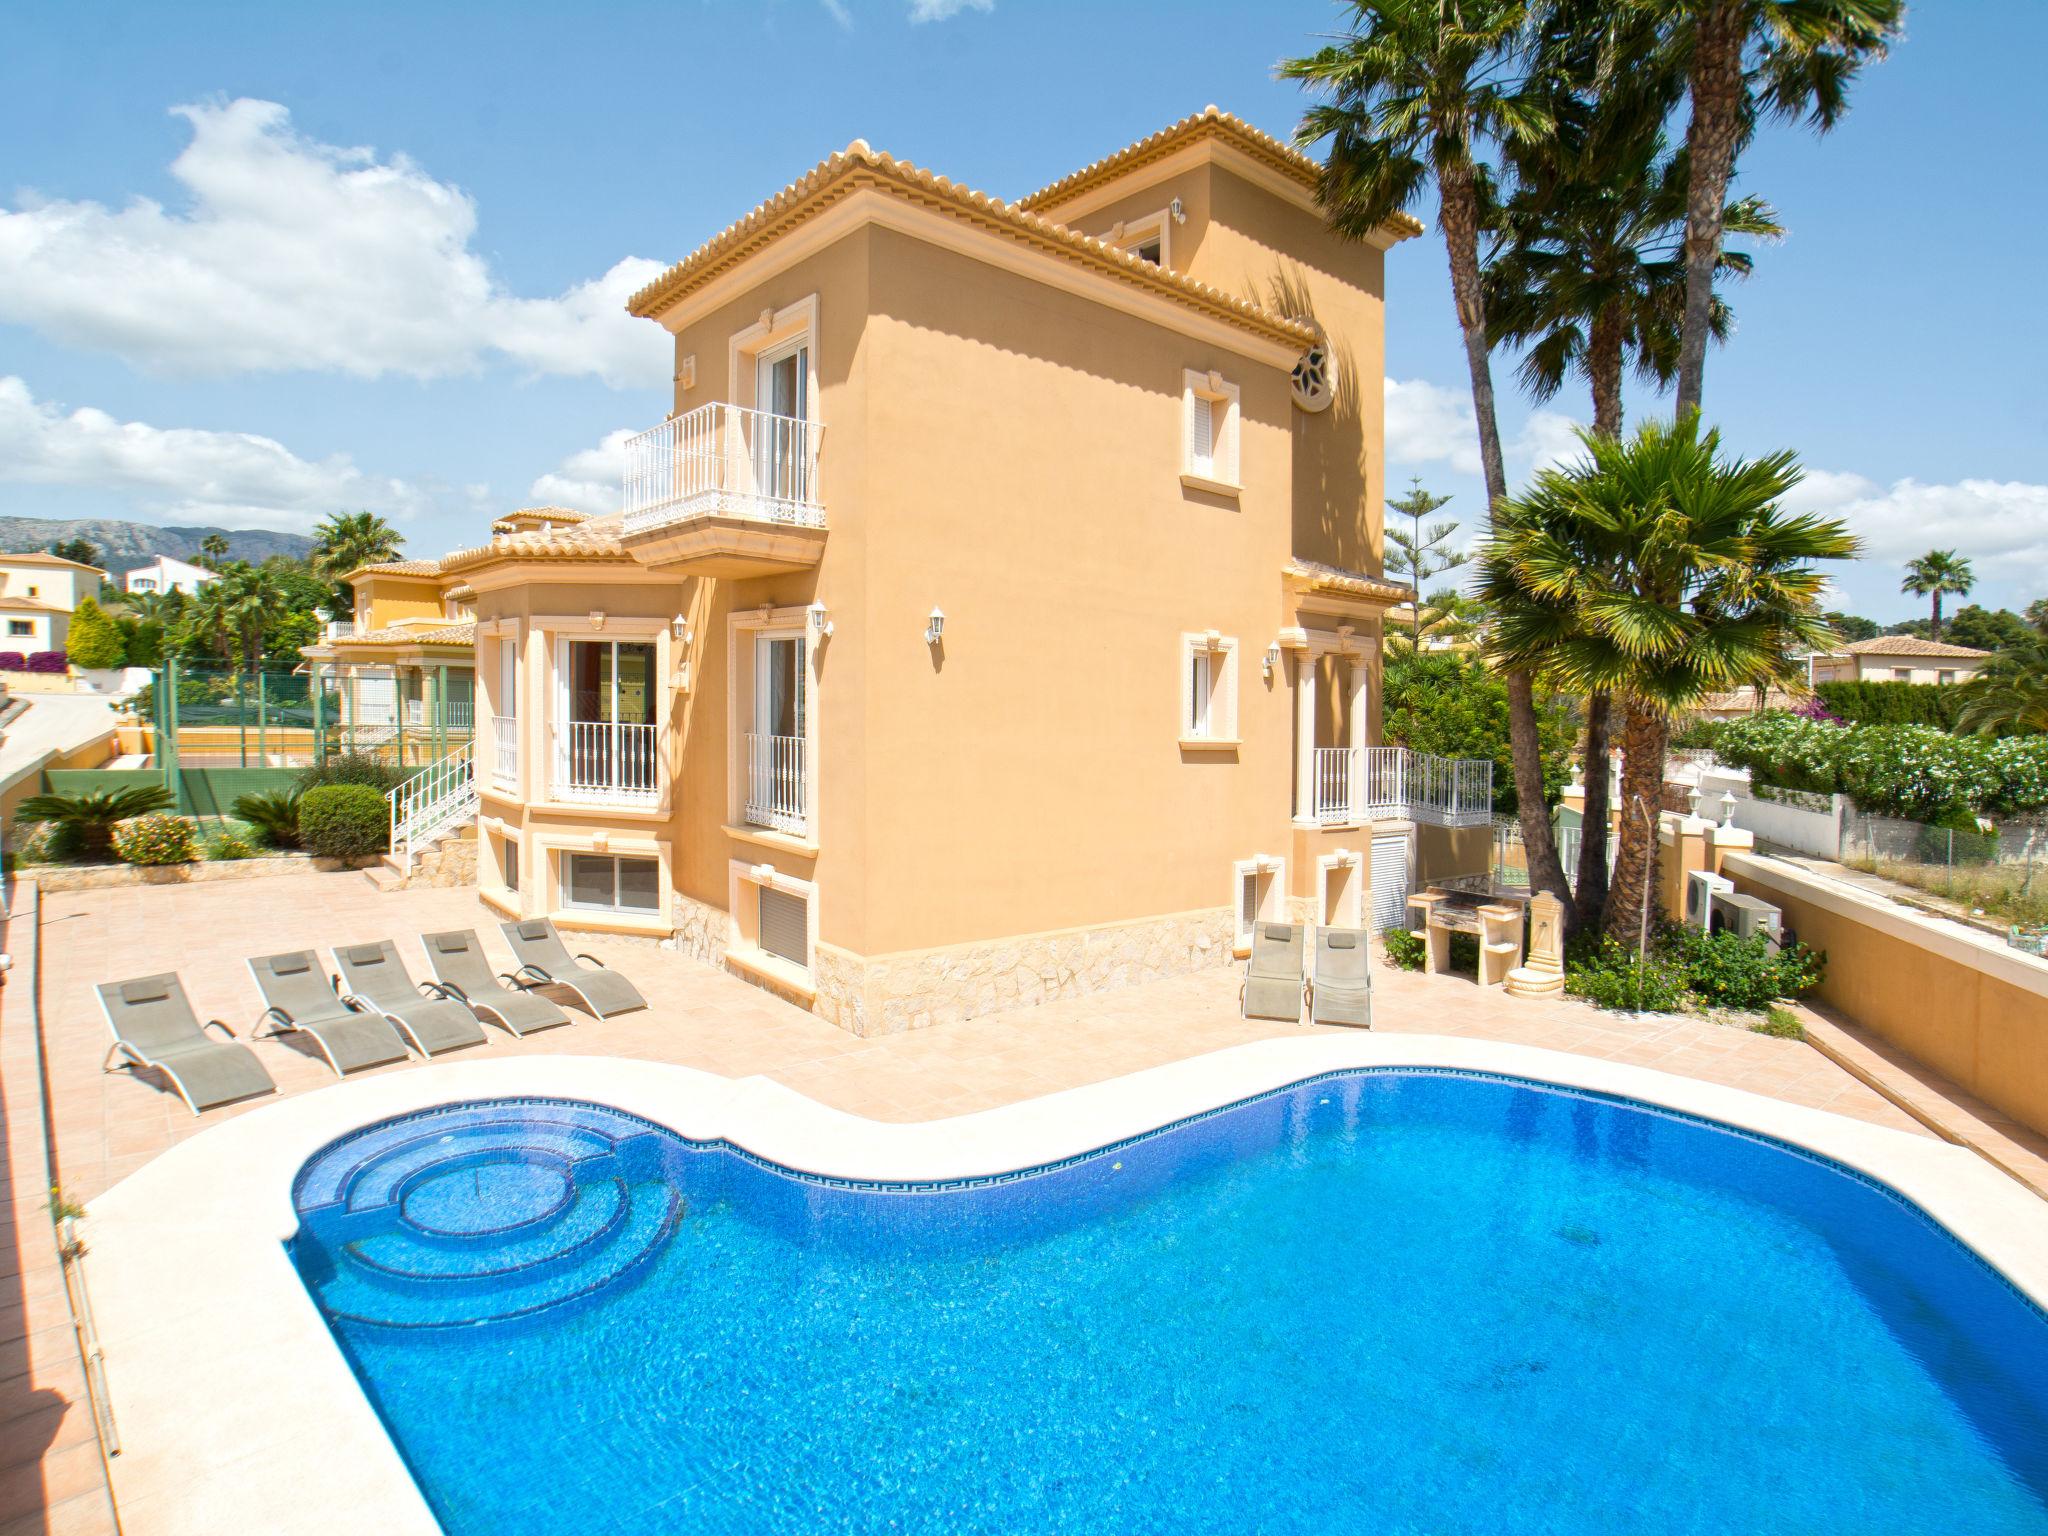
x=1395, y=1302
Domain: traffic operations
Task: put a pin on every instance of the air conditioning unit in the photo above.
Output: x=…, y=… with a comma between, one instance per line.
x=1702, y=886
x=1746, y=916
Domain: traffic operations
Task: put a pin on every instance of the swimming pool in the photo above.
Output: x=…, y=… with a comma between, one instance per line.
x=1402, y=1300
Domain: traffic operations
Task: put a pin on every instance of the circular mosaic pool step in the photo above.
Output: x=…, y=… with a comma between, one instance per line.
x=482, y=1219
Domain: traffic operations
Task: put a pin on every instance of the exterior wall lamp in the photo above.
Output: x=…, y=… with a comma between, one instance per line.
x=597, y=618
x=680, y=628
x=935, y=627
x=819, y=618
x=1270, y=660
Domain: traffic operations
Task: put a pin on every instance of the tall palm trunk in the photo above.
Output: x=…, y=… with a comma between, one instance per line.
x=1711, y=137
x=1934, y=628
x=1604, y=363
x=1645, y=734
x=1589, y=897
x=1459, y=214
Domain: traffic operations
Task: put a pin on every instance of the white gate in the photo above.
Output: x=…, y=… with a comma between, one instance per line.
x=1389, y=883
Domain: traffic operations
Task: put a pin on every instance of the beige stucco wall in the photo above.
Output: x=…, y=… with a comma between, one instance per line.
x=382, y=601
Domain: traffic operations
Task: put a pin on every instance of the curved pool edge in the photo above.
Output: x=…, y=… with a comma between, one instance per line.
x=191, y=1280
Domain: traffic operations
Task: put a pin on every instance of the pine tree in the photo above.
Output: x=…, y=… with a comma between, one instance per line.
x=94, y=641
x=1417, y=554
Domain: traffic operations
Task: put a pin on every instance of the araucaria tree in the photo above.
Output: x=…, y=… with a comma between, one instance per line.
x=1935, y=575
x=1658, y=572
x=1423, y=93
x=1420, y=553
x=1745, y=60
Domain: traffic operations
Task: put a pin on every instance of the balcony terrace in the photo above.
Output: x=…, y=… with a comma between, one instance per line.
x=725, y=491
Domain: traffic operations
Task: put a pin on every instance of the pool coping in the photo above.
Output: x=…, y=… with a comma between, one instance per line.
x=190, y=1279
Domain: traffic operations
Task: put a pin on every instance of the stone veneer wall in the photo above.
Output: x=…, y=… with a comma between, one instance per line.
x=914, y=990
x=701, y=929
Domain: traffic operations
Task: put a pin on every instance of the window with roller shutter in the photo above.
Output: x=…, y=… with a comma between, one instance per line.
x=784, y=925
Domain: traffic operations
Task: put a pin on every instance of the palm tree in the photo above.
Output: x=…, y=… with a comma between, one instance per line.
x=155, y=607
x=232, y=614
x=1744, y=60
x=213, y=551
x=1934, y=574
x=2009, y=697
x=1653, y=570
x=1417, y=93
x=348, y=541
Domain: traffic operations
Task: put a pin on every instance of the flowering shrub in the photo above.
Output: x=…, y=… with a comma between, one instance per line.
x=1913, y=771
x=158, y=838
x=13, y=661
x=48, y=661
x=1813, y=708
x=232, y=840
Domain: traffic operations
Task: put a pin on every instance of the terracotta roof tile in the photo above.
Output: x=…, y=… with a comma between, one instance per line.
x=1910, y=645
x=1318, y=577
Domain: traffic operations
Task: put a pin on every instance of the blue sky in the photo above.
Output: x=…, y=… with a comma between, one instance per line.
x=260, y=262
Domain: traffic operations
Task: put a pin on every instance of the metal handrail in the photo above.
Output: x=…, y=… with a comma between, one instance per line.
x=724, y=459
x=777, y=787
x=438, y=795
x=1357, y=784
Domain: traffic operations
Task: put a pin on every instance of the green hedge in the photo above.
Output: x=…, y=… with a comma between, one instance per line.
x=1892, y=703
x=1913, y=771
x=344, y=821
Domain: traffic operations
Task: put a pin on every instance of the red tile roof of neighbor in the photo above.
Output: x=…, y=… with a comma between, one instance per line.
x=1909, y=645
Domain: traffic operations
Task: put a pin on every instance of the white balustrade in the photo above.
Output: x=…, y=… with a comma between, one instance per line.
x=1385, y=783
x=606, y=761
x=505, y=741
x=727, y=460
x=777, y=787
x=435, y=798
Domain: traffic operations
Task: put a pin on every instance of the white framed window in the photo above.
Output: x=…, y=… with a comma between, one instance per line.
x=1902, y=674
x=608, y=882
x=508, y=863
x=1209, y=412
x=1256, y=885
x=20, y=627
x=772, y=783
x=1208, y=688
x=1944, y=677
x=1149, y=238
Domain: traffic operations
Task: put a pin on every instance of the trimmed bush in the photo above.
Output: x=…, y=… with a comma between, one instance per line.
x=1863, y=703
x=1912, y=771
x=344, y=821
x=48, y=661
x=13, y=661
x=158, y=838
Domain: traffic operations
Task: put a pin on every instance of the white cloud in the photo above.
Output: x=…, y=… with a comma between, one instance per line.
x=1427, y=423
x=837, y=10
x=941, y=10
x=295, y=254
x=2001, y=525
x=590, y=481
x=182, y=474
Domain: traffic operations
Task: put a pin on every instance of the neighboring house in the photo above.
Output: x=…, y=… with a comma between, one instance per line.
x=997, y=614
x=165, y=574
x=1899, y=659
x=37, y=595
x=398, y=675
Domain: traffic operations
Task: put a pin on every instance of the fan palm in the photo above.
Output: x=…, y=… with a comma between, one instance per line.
x=155, y=607
x=2009, y=697
x=91, y=817
x=1744, y=60
x=1419, y=93
x=1653, y=570
x=232, y=614
x=1934, y=575
x=348, y=541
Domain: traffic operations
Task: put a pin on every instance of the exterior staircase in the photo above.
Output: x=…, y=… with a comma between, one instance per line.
x=433, y=827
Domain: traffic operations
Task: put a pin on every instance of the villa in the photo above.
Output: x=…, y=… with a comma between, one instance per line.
x=996, y=615
x=38, y=593
x=1899, y=659
x=166, y=573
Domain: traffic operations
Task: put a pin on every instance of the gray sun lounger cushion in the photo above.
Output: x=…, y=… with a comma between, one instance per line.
x=1342, y=990
x=154, y=1026
x=1272, y=978
x=373, y=976
x=545, y=961
x=459, y=965
x=298, y=999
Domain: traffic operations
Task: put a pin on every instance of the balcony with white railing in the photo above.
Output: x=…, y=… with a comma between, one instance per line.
x=1352, y=785
x=505, y=751
x=725, y=491
x=604, y=763
x=777, y=785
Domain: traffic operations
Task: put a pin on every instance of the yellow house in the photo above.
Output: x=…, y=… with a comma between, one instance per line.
x=37, y=595
x=997, y=613
x=397, y=678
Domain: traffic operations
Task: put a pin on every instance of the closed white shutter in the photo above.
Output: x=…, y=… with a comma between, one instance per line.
x=1223, y=455
x=1201, y=435
x=784, y=925
x=1247, y=904
x=1389, y=883
x=1196, y=715
x=1223, y=706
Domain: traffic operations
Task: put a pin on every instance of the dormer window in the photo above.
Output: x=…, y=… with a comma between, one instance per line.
x=1144, y=238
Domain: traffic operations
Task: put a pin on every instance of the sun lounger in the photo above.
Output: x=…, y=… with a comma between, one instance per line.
x=299, y=999
x=459, y=965
x=154, y=1026
x=544, y=961
x=374, y=978
x=1341, y=990
x=1272, y=977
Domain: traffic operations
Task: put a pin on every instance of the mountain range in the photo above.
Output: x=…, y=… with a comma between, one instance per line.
x=123, y=546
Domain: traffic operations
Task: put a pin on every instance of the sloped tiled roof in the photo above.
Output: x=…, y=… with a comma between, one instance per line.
x=1318, y=577
x=859, y=167
x=1911, y=645
x=41, y=557
x=398, y=568
x=446, y=634
x=1211, y=122
x=30, y=605
x=595, y=538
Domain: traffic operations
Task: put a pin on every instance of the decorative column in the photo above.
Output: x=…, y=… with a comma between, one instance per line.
x=1354, y=665
x=1305, y=738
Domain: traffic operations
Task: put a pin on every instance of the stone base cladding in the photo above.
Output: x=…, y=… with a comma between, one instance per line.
x=887, y=994
x=701, y=929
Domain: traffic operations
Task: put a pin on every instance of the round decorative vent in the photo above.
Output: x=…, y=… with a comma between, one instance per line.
x=1314, y=380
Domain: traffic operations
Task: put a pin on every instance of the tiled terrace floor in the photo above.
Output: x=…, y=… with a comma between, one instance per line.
x=107, y=1125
